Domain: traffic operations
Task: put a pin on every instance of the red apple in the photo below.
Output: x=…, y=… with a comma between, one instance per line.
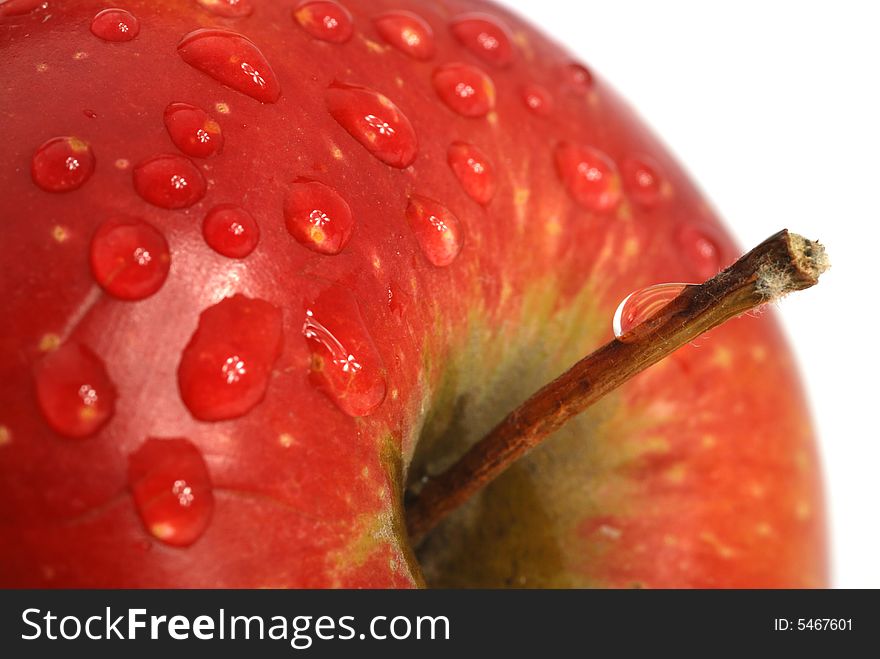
x=263, y=262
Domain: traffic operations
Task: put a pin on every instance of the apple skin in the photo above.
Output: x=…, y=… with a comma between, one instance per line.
x=701, y=472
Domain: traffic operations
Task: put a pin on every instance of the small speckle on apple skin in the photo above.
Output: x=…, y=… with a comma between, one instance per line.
x=49, y=341
x=59, y=233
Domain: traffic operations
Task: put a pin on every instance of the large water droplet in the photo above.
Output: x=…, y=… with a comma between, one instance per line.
x=485, y=37
x=701, y=250
x=589, y=175
x=224, y=370
x=345, y=362
x=169, y=181
x=192, y=130
x=374, y=121
x=75, y=394
x=129, y=258
x=231, y=231
x=62, y=164
x=473, y=170
x=228, y=8
x=172, y=490
x=115, y=25
x=465, y=89
x=318, y=217
x=437, y=230
x=407, y=32
x=641, y=305
x=641, y=180
x=537, y=99
x=232, y=59
x=324, y=20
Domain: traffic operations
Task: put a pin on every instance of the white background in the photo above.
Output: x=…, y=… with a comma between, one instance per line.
x=774, y=107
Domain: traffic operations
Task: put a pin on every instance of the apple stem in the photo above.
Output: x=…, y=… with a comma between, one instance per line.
x=783, y=263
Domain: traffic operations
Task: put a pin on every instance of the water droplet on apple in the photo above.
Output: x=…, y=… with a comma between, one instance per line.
x=325, y=20
x=465, y=89
x=397, y=302
x=407, y=32
x=345, y=362
x=172, y=490
x=115, y=25
x=700, y=249
x=62, y=164
x=473, y=170
x=318, y=217
x=75, y=394
x=231, y=59
x=641, y=180
x=485, y=37
x=437, y=230
x=537, y=99
x=374, y=121
x=224, y=370
x=129, y=258
x=578, y=77
x=231, y=231
x=192, y=130
x=589, y=175
x=169, y=181
x=641, y=305
x=20, y=7
x=228, y=8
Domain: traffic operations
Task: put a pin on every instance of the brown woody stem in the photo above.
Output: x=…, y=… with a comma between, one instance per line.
x=783, y=263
